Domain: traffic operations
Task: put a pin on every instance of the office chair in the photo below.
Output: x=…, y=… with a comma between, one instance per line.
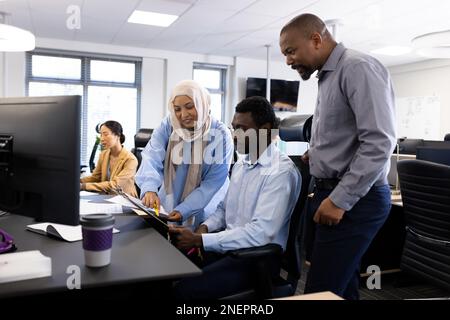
x=95, y=148
x=93, y=152
x=425, y=189
x=141, y=138
x=296, y=128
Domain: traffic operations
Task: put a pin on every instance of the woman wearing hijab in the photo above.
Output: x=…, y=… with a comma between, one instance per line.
x=116, y=166
x=185, y=164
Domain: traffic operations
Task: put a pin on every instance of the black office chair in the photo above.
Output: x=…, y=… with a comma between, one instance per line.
x=447, y=137
x=265, y=285
x=425, y=189
x=296, y=128
x=93, y=153
x=95, y=148
x=141, y=138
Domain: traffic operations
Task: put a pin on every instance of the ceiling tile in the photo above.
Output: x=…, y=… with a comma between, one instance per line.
x=236, y=5
x=266, y=7
x=164, y=6
x=244, y=22
x=121, y=10
x=211, y=43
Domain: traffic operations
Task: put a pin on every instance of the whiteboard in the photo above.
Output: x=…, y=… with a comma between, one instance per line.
x=419, y=117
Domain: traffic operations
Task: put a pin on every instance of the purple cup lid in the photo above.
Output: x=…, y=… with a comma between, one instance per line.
x=97, y=220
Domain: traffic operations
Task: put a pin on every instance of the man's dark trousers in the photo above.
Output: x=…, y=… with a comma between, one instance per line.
x=338, y=249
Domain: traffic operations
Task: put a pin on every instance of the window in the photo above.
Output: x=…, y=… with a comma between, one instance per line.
x=110, y=88
x=213, y=78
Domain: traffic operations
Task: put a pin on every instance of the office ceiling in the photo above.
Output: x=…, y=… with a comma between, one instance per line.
x=233, y=27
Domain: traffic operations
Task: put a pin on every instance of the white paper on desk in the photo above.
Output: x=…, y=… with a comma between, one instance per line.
x=24, y=265
x=139, y=212
x=122, y=201
x=65, y=232
x=88, y=193
x=87, y=207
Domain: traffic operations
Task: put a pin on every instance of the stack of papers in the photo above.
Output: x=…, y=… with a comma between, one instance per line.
x=88, y=207
x=24, y=265
x=88, y=193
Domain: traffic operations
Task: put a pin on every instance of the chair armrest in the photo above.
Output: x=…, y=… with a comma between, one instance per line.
x=257, y=252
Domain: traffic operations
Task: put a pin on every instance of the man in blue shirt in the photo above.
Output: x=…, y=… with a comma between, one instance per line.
x=263, y=191
x=352, y=139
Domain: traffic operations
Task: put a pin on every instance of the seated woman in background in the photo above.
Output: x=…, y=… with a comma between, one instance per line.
x=185, y=165
x=116, y=166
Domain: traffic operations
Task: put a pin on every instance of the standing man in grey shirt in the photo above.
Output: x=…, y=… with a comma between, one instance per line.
x=353, y=136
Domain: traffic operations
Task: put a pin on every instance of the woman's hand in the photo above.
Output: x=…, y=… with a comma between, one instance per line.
x=151, y=200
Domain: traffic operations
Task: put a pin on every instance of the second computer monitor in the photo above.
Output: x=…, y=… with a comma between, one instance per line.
x=438, y=155
x=392, y=175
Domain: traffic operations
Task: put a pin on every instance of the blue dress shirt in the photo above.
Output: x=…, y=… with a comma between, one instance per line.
x=258, y=205
x=214, y=176
x=353, y=130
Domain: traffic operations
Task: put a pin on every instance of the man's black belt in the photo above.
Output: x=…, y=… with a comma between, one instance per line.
x=326, y=184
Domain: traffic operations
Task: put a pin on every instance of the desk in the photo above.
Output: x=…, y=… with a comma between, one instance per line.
x=139, y=254
x=396, y=200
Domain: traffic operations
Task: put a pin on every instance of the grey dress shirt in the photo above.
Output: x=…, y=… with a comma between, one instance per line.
x=353, y=131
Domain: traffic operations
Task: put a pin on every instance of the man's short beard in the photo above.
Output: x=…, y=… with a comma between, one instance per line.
x=306, y=75
x=307, y=72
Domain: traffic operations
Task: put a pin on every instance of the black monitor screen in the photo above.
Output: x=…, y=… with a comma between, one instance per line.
x=40, y=165
x=409, y=146
x=256, y=87
x=283, y=93
x=437, y=155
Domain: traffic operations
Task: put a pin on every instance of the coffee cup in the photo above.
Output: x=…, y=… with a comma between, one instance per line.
x=97, y=230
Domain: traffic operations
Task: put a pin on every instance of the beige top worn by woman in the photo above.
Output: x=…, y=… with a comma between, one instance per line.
x=122, y=172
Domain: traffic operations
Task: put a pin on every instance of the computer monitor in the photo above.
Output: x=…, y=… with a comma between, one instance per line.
x=283, y=93
x=409, y=146
x=438, y=155
x=40, y=157
x=393, y=175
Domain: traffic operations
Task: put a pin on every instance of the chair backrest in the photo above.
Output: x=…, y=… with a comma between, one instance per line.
x=434, y=154
x=292, y=261
x=296, y=128
x=93, y=153
x=425, y=189
x=141, y=138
